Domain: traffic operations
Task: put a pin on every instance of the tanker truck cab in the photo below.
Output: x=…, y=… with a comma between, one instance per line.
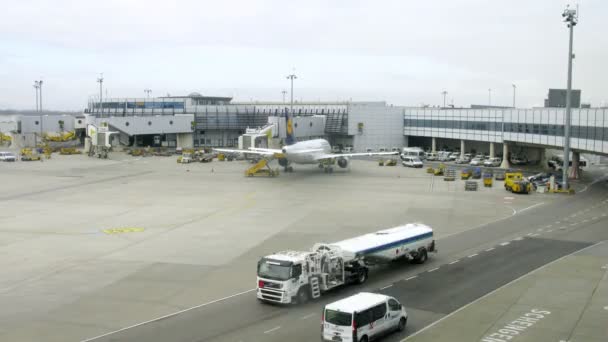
x=362, y=317
x=281, y=275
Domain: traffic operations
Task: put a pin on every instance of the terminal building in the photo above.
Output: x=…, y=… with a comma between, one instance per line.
x=207, y=121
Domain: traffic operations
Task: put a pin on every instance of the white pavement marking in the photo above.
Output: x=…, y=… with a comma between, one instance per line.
x=535, y=234
x=453, y=262
x=530, y=207
x=594, y=218
x=167, y=316
x=496, y=290
x=490, y=249
x=562, y=227
x=573, y=224
x=550, y=230
x=504, y=243
x=433, y=270
x=412, y=277
x=549, y=226
x=386, y=287
x=307, y=316
x=558, y=222
x=271, y=330
x=472, y=255
x=519, y=238
x=539, y=230
x=529, y=234
x=585, y=221
x=603, y=215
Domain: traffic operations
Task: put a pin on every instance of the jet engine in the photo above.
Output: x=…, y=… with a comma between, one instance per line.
x=343, y=162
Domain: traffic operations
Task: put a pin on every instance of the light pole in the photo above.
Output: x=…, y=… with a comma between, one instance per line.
x=147, y=91
x=514, y=87
x=489, y=96
x=291, y=77
x=571, y=18
x=444, y=93
x=284, y=92
x=100, y=80
x=36, y=87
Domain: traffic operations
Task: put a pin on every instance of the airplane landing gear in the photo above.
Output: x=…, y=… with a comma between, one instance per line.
x=288, y=169
x=328, y=170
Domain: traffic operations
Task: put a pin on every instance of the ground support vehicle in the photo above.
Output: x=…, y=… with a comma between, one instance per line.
x=7, y=157
x=450, y=175
x=28, y=155
x=487, y=179
x=466, y=173
x=476, y=173
x=516, y=183
x=412, y=162
x=296, y=276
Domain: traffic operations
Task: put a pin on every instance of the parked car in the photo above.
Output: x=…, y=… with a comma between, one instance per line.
x=464, y=160
x=492, y=162
x=454, y=156
x=8, y=156
x=476, y=161
x=519, y=160
x=431, y=156
x=412, y=162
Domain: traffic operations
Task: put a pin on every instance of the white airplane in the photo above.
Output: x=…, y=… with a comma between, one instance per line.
x=317, y=151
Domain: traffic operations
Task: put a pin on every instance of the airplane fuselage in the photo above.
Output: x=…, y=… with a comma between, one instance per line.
x=306, y=152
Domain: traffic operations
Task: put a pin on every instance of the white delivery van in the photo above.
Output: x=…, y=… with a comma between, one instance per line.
x=415, y=152
x=412, y=162
x=362, y=317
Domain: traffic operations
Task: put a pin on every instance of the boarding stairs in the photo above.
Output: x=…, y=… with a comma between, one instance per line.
x=261, y=168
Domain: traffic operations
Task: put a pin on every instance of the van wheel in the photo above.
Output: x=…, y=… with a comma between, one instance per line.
x=422, y=257
x=402, y=323
x=302, y=296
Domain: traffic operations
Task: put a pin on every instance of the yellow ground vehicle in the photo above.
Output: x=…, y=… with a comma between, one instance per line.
x=516, y=183
x=261, y=168
x=440, y=170
x=390, y=162
x=69, y=150
x=28, y=155
x=466, y=173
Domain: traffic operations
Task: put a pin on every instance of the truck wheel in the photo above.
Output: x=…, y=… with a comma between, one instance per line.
x=362, y=276
x=402, y=323
x=422, y=257
x=303, y=295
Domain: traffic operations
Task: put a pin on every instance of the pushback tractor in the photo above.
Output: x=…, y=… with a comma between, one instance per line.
x=296, y=276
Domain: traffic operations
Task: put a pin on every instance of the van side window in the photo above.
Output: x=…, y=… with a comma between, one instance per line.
x=364, y=318
x=379, y=311
x=393, y=305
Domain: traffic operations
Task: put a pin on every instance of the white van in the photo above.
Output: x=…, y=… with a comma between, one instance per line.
x=412, y=162
x=362, y=317
x=415, y=152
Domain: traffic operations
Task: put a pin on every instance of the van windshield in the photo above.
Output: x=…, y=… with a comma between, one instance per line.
x=338, y=317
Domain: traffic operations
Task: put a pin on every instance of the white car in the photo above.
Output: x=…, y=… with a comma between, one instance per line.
x=412, y=162
x=454, y=156
x=362, y=317
x=492, y=162
x=431, y=156
x=8, y=156
x=476, y=161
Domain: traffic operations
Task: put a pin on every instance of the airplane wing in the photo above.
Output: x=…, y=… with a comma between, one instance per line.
x=365, y=154
x=269, y=150
x=261, y=153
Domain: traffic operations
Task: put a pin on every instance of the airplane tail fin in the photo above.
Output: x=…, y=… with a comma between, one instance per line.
x=289, y=140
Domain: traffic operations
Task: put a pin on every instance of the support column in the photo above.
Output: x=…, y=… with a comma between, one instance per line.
x=462, y=149
x=574, y=170
x=434, y=145
x=491, y=150
x=505, y=156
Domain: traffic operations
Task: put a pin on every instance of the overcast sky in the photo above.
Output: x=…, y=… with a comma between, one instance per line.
x=403, y=52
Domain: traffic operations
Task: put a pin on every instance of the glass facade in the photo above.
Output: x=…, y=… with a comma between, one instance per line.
x=542, y=126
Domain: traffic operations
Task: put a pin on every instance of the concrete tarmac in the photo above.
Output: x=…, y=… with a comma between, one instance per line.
x=92, y=246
